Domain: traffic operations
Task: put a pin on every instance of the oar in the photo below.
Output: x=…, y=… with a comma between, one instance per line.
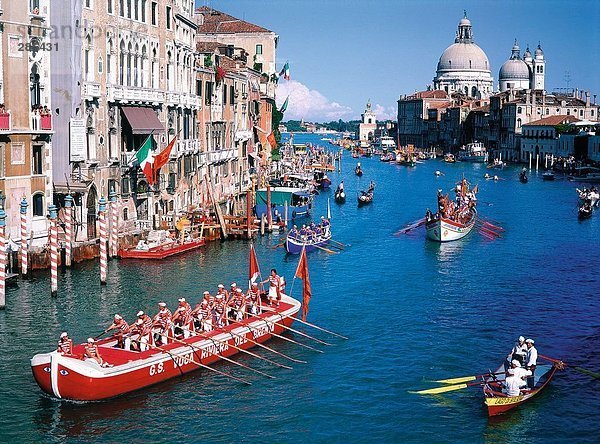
x=101, y=334
x=465, y=378
x=579, y=369
x=221, y=356
x=199, y=364
x=447, y=388
x=283, y=355
x=339, y=243
x=326, y=249
x=281, y=244
x=296, y=331
x=320, y=328
x=238, y=348
x=288, y=339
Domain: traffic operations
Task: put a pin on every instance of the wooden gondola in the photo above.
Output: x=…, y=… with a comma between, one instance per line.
x=340, y=196
x=523, y=177
x=585, y=211
x=358, y=171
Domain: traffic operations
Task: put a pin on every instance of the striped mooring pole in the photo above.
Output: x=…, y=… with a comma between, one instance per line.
x=114, y=220
x=24, y=246
x=2, y=260
x=53, y=250
x=103, y=240
x=68, y=229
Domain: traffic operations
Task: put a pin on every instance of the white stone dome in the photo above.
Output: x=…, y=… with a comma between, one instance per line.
x=514, y=69
x=463, y=56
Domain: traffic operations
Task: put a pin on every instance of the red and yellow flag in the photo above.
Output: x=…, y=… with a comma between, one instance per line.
x=302, y=273
x=162, y=158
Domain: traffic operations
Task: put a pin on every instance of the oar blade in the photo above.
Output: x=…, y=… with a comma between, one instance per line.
x=438, y=390
x=457, y=380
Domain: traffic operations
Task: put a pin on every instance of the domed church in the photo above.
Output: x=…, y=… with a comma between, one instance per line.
x=526, y=73
x=464, y=67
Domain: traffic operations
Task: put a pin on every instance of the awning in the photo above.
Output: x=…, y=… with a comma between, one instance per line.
x=142, y=120
x=71, y=187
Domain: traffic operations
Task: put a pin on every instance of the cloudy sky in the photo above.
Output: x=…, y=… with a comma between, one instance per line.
x=344, y=52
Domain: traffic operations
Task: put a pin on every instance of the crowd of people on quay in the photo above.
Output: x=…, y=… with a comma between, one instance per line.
x=212, y=312
x=520, y=367
x=313, y=232
x=456, y=210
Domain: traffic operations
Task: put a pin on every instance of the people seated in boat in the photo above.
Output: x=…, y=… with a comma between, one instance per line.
x=513, y=384
x=531, y=361
x=340, y=187
x=221, y=291
x=92, y=353
x=162, y=324
x=517, y=369
x=294, y=232
x=142, y=245
x=182, y=319
x=122, y=328
x=325, y=222
x=237, y=306
x=219, y=311
x=143, y=328
x=371, y=187
x=274, y=295
x=303, y=231
x=65, y=344
x=253, y=300
x=487, y=176
x=518, y=352
x=202, y=314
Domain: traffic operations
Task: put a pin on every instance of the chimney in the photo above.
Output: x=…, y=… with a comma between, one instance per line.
x=587, y=99
x=576, y=93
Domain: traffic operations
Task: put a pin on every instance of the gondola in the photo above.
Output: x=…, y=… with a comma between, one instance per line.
x=340, y=196
x=365, y=197
x=358, y=171
x=585, y=211
x=523, y=177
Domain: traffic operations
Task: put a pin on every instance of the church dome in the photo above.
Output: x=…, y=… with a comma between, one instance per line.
x=463, y=56
x=514, y=69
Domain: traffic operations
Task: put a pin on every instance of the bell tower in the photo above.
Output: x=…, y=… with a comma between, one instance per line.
x=539, y=69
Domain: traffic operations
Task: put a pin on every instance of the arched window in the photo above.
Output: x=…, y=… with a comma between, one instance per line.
x=519, y=110
x=34, y=86
x=518, y=123
x=122, y=64
x=143, y=75
x=135, y=66
x=466, y=90
x=38, y=204
x=474, y=92
x=129, y=56
x=125, y=213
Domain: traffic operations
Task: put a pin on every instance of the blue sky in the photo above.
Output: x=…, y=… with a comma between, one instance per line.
x=344, y=52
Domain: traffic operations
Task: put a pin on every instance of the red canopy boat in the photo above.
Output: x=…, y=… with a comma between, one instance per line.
x=70, y=377
x=160, y=247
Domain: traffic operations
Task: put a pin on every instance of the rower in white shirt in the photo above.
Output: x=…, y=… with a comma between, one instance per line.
x=531, y=361
x=518, y=371
x=518, y=352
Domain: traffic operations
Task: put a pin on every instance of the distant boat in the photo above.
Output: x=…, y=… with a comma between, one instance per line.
x=523, y=176
x=548, y=175
x=366, y=197
x=358, y=171
x=294, y=244
x=159, y=245
x=585, y=210
x=299, y=202
x=340, y=196
x=473, y=152
x=449, y=158
x=385, y=143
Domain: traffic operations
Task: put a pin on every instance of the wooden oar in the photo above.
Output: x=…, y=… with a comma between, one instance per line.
x=296, y=331
x=410, y=227
x=465, y=378
x=579, y=369
x=312, y=325
x=199, y=364
x=444, y=389
x=239, y=348
x=290, y=340
x=281, y=244
x=101, y=334
x=326, y=249
x=225, y=358
x=339, y=243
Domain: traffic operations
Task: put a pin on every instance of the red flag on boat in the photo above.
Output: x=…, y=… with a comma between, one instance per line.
x=253, y=269
x=302, y=273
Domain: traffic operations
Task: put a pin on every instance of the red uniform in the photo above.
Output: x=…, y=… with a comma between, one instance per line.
x=65, y=346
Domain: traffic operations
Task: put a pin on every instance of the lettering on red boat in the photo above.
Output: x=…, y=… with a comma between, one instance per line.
x=214, y=349
x=157, y=368
x=263, y=330
x=239, y=340
x=509, y=400
x=180, y=360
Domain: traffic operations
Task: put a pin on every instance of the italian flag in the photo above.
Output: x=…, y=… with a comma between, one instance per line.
x=145, y=158
x=285, y=72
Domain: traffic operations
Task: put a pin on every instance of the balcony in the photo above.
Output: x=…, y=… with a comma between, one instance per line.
x=92, y=90
x=5, y=122
x=125, y=94
x=46, y=123
x=221, y=155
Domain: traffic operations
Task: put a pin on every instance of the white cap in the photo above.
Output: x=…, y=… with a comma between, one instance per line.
x=521, y=338
x=64, y=334
x=239, y=290
x=181, y=299
x=118, y=316
x=530, y=341
x=322, y=217
x=162, y=304
x=515, y=363
x=254, y=284
x=90, y=339
x=219, y=296
x=140, y=313
x=206, y=292
x=220, y=286
x=233, y=284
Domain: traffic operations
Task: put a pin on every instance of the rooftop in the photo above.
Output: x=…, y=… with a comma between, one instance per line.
x=217, y=22
x=553, y=121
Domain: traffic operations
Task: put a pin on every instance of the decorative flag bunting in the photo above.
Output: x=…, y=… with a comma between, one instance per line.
x=284, y=106
x=302, y=273
x=145, y=158
x=285, y=72
x=253, y=268
x=162, y=158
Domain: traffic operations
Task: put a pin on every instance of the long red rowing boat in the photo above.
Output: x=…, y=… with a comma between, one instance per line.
x=161, y=251
x=70, y=377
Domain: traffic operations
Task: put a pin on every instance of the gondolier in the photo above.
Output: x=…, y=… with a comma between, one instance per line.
x=531, y=357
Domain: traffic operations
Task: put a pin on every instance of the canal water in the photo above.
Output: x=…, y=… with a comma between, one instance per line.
x=414, y=311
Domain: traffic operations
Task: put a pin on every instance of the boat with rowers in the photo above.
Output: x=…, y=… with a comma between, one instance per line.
x=161, y=244
x=498, y=402
x=311, y=238
x=454, y=219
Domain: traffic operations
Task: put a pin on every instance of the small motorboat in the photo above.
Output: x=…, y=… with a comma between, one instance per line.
x=548, y=175
x=449, y=158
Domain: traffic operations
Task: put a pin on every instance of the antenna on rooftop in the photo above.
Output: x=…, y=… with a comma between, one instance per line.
x=567, y=79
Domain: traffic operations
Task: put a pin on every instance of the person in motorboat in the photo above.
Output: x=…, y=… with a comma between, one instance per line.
x=65, y=344
x=531, y=361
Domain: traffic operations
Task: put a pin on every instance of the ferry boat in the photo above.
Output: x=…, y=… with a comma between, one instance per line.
x=385, y=143
x=473, y=152
x=299, y=202
x=70, y=377
x=160, y=245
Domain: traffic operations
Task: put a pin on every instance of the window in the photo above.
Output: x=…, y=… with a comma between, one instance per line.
x=231, y=95
x=2, y=147
x=34, y=6
x=128, y=8
x=519, y=110
x=109, y=6
x=259, y=49
x=17, y=153
x=122, y=8
x=547, y=111
x=172, y=180
x=100, y=65
x=208, y=95
x=224, y=94
x=168, y=17
x=144, y=10
x=88, y=3
x=38, y=204
x=155, y=13
x=199, y=88
x=136, y=9
x=125, y=213
x=125, y=186
x=38, y=159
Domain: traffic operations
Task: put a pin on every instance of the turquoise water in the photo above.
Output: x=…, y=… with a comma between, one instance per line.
x=414, y=311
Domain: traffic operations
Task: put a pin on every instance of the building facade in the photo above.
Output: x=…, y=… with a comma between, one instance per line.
x=367, y=126
x=526, y=73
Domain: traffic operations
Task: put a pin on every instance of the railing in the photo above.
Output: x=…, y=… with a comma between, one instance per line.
x=5, y=122
x=119, y=93
x=221, y=155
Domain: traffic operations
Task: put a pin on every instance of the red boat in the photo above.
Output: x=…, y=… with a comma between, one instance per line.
x=70, y=377
x=498, y=402
x=161, y=251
